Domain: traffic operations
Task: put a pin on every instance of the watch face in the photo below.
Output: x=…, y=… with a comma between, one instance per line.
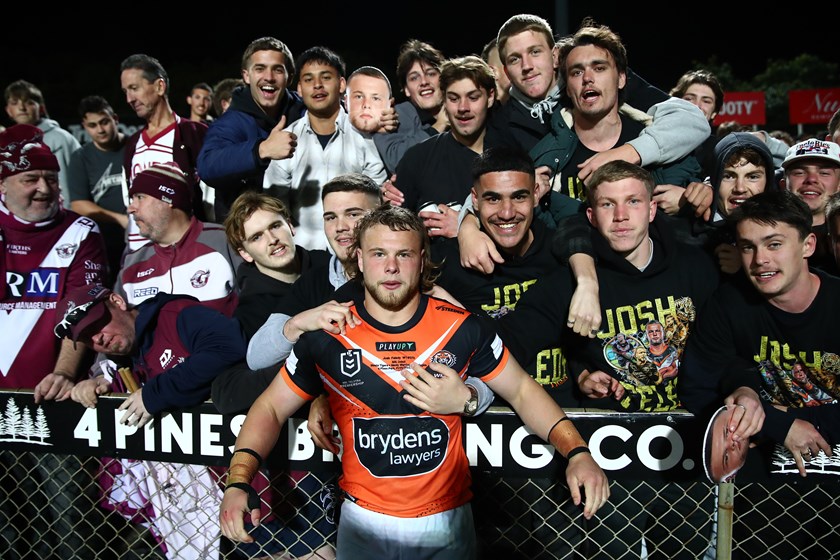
x=471, y=406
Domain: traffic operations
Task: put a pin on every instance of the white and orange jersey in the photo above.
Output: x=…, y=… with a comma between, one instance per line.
x=398, y=459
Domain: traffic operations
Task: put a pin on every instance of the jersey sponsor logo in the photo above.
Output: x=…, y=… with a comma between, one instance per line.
x=388, y=346
x=145, y=292
x=41, y=282
x=17, y=249
x=66, y=250
x=450, y=309
x=446, y=358
x=146, y=272
x=165, y=358
x=90, y=265
x=391, y=447
x=351, y=362
x=86, y=222
x=199, y=279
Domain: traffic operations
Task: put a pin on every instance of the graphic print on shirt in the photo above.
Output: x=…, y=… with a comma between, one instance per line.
x=29, y=294
x=797, y=378
x=645, y=349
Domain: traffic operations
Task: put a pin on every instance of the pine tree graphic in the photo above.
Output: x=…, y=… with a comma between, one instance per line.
x=42, y=431
x=19, y=425
x=12, y=420
x=27, y=427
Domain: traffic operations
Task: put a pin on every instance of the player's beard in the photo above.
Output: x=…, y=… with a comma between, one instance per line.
x=392, y=300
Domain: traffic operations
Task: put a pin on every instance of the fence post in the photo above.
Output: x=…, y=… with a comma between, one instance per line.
x=726, y=501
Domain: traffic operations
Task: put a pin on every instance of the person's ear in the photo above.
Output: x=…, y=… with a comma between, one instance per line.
x=117, y=301
x=809, y=245
x=245, y=256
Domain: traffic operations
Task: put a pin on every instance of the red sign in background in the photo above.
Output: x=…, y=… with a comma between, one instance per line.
x=813, y=106
x=745, y=107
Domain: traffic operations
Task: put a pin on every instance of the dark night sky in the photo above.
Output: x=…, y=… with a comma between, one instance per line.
x=80, y=55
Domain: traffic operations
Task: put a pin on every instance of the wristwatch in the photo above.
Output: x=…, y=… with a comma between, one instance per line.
x=472, y=403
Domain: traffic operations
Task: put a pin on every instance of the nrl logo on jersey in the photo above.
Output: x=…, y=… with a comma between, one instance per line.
x=199, y=279
x=351, y=362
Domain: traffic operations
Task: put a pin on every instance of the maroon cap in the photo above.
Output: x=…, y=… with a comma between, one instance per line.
x=80, y=308
x=166, y=182
x=22, y=148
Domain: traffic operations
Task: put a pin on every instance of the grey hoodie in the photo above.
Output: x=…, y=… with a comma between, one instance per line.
x=62, y=144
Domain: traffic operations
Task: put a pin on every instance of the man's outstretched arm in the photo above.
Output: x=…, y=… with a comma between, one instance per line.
x=256, y=439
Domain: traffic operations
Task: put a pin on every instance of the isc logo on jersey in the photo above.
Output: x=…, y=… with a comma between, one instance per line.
x=391, y=447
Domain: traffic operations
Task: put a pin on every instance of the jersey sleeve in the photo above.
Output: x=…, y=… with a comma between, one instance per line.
x=490, y=356
x=300, y=372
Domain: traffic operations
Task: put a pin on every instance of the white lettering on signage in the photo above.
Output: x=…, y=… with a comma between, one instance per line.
x=642, y=447
x=742, y=107
x=825, y=104
x=540, y=453
x=492, y=449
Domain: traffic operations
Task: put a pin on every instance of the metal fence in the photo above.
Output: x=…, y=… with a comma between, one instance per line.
x=93, y=505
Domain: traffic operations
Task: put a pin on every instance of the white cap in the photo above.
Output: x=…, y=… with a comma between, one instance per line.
x=813, y=148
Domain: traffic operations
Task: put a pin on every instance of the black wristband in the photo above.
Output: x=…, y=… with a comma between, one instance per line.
x=577, y=451
x=253, y=497
x=548, y=437
x=251, y=452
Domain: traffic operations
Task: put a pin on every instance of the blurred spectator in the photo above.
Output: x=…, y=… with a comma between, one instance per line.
x=223, y=93
x=25, y=105
x=200, y=101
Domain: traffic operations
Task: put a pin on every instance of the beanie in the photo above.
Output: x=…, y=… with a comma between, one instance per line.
x=166, y=182
x=22, y=148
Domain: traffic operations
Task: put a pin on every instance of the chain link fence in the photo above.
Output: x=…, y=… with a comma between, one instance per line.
x=53, y=507
x=55, y=503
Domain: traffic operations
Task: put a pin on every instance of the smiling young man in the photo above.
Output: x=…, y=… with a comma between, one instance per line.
x=251, y=133
x=812, y=172
x=423, y=506
x=645, y=278
x=751, y=342
x=503, y=197
x=328, y=146
x=436, y=173
x=421, y=115
x=200, y=100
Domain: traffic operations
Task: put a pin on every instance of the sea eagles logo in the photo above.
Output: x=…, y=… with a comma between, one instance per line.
x=445, y=357
x=199, y=279
x=351, y=362
x=67, y=250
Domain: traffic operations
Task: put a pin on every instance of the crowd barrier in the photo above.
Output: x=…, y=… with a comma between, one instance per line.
x=162, y=488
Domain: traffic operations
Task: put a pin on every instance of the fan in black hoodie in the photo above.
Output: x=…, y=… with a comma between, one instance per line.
x=650, y=288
